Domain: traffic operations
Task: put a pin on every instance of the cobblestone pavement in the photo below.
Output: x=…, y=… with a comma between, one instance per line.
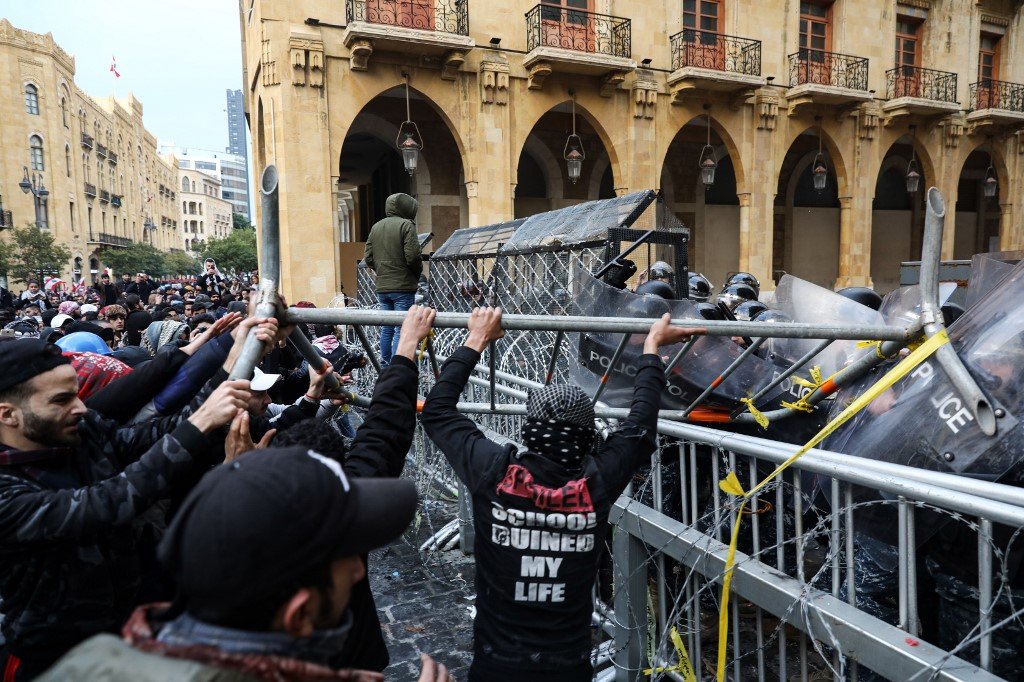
x=425, y=601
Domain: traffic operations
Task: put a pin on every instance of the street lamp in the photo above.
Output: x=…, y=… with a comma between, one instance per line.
x=819, y=167
x=913, y=176
x=411, y=145
x=39, y=193
x=573, y=153
x=991, y=183
x=708, y=163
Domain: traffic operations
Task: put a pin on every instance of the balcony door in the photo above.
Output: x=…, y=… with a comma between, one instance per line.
x=567, y=24
x=908, y=59
x=815, y=42
x=702, y=24
x=407, y=13
x=988, y=72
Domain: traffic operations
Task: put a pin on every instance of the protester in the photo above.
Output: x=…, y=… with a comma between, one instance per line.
x=71, y=483
x=107, y=291
x=393, y=252
x=540, y=515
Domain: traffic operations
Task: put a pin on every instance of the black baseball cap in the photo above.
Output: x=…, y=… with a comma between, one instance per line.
x=25, y=358
x=254, y=526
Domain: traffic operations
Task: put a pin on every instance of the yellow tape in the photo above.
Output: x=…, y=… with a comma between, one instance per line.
x=758, y=414
x=731, y=483
x=423, y=346
x=799, y=405
x=684, y=667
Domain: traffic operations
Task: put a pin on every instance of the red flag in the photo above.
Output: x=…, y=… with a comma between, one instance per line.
x=113, y=67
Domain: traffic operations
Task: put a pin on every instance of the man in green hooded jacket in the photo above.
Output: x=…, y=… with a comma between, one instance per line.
x=393, y=251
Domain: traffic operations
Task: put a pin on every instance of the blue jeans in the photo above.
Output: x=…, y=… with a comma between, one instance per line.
x=392, y=300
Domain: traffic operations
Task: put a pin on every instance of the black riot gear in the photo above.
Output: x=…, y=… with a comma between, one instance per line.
x=656, y=287
x=748, y=310
x=863, y=295
x=700, y=287
x=744, y=278
x=736, y=293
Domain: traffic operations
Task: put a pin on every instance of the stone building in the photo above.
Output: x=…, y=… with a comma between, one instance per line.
x=204, y=214
x=107, y=186
x=778, y=97
x=231, y=169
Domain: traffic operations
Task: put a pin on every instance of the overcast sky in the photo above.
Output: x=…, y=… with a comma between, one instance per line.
x=177, y=57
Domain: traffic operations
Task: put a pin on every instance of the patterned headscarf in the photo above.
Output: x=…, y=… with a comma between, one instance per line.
x=67, y=308
x=559, y=423
x=95, y=371
x=163, y=332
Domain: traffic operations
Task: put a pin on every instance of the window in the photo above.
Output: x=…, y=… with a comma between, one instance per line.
x=71, y=212
x=907, y=43
x=67, y=159
x=184, y=184
x=988, y=58
x=701, y=15
x=32, y=99
x=88, y=211
x=35, y=149
x=815, y=30
x=85, y=166
x=64, y=111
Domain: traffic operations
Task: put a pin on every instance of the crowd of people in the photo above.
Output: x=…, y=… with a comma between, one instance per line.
x=160, y=520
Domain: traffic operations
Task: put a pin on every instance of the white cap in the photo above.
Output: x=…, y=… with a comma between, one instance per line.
x=88, y=308
x=262, y=381
x=58, y=320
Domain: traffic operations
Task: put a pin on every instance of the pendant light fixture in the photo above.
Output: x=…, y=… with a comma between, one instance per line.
x=991, y=187
x=913, y=176
x=573, y=153
x=819, y=167
x=708, y=162
x=409, y=141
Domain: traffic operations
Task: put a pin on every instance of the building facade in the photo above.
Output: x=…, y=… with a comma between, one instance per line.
x=107, y=186
x=780, y=98
x=231, y=169
x=204, y=214
x=238, y=135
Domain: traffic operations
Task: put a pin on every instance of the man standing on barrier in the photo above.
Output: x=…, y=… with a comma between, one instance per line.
x=540, y=514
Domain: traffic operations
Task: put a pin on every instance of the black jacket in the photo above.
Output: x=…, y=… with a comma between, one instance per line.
x=123, y=397
x=539, y=526
x=108, y=294
x=69, y=565
x=379, y=450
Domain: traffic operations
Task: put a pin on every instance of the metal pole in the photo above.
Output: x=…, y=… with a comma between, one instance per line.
x=270, y=270
x=313, y=357
x=609, y=325
x=491, y=360
x=371, y=354
x=747, y=352
x=674, y=362
x=554, y=357
x=797, y=366
x=931, y=316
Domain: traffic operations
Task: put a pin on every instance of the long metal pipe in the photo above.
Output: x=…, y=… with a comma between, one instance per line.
x=270, y=272
x=931, y=316
x=313, y=357
x=612, y=325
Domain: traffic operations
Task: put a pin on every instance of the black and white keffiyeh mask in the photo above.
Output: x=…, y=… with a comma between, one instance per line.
x=559, y=424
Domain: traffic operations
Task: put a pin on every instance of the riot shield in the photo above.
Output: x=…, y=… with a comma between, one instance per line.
x=708, y=357
x=987, y=269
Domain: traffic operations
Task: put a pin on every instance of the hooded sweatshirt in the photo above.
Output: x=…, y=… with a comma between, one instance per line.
x=392, y=249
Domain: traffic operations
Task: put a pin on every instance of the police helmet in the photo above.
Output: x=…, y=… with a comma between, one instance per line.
x=709, y=311
x=736, y=293
x=700, y=287
x=660, y=270
x=656, y=287
x=770, y=316
x=744, y=278
x=748, y=310
x=863, y=295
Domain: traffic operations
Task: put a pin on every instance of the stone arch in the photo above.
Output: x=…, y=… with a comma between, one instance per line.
x=582, y=111
x=982, y=223
x=828, y=143
x=385, y=131
x=601, y=166
x=726, y=141
x=548, y=165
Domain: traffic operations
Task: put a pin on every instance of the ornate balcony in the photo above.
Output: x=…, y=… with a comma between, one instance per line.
x=819, y=77
x=576, y=41
x=104, y=196
x=107, y=239
x=112, y=158
x=421, y=27
x=914, y=90
x=87, y=141
x=90, y=190
x=115, y=200
x=996, y=103
x=101, y=151
x=6, y=219
x=714, y=61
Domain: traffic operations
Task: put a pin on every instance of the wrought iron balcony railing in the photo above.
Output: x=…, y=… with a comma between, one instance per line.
x=828, y=68
x=992, y=94
x=101, y=151
x=578, y=30
x=90, y=190
x=115, y=200
x=104, y=196
x=914, y=81
x=110, y=239
x=443, y=16
x=6, y=219
x=87, y=141
x=112, y=158
x=716, y=51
